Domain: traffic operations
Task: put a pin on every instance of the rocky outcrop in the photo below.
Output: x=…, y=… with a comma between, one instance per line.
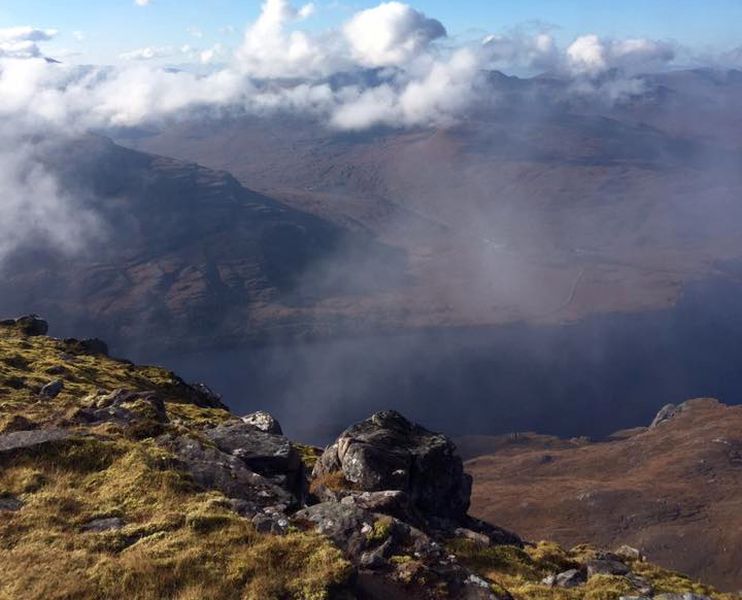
x=387, y=452
x=30, y=325
x=210, y=468
x=372, y=541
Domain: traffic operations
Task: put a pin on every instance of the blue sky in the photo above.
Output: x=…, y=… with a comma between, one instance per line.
x=109, y=27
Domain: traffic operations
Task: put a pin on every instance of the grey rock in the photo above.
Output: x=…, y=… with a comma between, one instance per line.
x=30, y=325
x=271, y=521
x=569, y=579
x=213, y=469
x=21, y=440
x=123, y=407
x=606, y=567
x=52, y=389
x=666, y=413
x=101, y=525
x=635, y=598
x=206, y=397
x=265, y=453
x=387, y=452
x=56, y=370
x=640, y=584
x=263, y=421
x=629, y=553
x=10, y=504
x=394, y=503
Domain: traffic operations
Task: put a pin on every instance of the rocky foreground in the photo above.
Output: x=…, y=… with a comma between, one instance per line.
x=118, y=480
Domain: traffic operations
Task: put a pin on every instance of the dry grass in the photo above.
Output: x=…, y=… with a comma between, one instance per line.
x=176, y=542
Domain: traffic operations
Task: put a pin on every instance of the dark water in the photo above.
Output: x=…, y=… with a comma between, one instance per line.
x=590, y=378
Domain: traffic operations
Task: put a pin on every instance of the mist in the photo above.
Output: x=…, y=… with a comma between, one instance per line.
x=381, y=215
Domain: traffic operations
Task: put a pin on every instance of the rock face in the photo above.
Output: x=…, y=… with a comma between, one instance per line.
x=387, y=452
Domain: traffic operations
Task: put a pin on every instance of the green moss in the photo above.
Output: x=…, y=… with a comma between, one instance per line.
x=381, y=529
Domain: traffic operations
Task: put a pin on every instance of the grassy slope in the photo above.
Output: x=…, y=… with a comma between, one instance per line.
x=178, y=542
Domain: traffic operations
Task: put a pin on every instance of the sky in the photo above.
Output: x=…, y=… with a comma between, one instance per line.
x=104, y=30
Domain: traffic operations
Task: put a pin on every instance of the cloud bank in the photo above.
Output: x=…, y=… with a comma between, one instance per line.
x=390, y=65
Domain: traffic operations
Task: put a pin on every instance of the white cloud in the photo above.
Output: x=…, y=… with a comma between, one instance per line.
x=34, y=206
x=591, y=55
x=142, y=2
x=22, y=42
x=436, y=96
x=270, y=51
x=148, y=53
x=519, y=50
x=390, y=34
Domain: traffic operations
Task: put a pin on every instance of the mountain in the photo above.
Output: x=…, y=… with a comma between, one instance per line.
x=541, y=205
x=123, y=480
x=672, y=490
x=179, y=255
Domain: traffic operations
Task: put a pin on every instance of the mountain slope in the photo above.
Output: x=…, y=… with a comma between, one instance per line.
x=181, y=254
x=672, y=490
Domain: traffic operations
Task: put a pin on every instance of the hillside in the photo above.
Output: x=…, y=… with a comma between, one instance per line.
x=181, y=256
x=121, y=480
x=672, y=490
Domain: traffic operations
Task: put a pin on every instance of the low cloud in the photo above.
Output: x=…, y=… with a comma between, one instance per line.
x=37, y=212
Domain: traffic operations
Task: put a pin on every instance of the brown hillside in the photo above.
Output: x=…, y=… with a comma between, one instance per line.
x=674, y=490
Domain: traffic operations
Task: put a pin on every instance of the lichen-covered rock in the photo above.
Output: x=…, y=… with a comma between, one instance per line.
x=263, y=421
x=387, y=452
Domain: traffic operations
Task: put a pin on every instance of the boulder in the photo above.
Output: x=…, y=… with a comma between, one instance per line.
x=23, y=440
x=270, y=455
x=263, y=421
x=10, y=504
x=105, y=524
x=206, y=397
x=387, y=452
x=213, y=469
x=606, y=567
x=566, y=579
x=30, y=325
x=666, y=413
x=52, y=389
x=629, y=553
x=89, y=346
